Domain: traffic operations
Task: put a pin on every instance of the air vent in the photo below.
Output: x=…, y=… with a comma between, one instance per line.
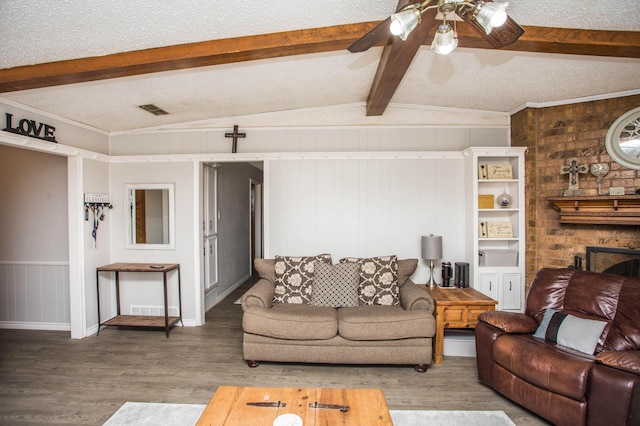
x=153, y=109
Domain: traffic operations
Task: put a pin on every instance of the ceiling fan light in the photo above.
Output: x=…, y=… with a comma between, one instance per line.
x=491, y=15
x=444, y=41
x=405, y=21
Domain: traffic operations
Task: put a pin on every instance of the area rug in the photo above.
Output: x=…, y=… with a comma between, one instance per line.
x=141, y=413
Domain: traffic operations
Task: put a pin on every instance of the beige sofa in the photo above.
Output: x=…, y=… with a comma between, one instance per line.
x=367, y=334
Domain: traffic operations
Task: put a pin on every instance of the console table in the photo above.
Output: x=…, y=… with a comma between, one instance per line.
x=456, y=308
x=141, y=320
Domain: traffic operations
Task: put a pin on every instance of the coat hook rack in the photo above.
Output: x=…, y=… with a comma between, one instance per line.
x=96, y=203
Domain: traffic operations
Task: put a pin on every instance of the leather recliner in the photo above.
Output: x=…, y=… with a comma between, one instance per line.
x=563, y=385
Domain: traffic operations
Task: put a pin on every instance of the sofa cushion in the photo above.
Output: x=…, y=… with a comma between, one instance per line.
x=291, y=321
x=378, y=280
x=567, y=330
x=383, y=323
x=544, y=364
x=335, y=285
x=294, y=277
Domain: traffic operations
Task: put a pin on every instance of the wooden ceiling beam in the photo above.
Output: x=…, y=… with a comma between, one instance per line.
x=216, y=52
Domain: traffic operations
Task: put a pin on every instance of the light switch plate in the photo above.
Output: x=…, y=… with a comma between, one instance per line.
x=616, y=190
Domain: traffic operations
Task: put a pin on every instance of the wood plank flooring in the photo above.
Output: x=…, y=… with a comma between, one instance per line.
x=48, y=378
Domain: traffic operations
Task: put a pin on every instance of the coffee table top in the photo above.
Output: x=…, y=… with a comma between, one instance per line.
x=237, y=405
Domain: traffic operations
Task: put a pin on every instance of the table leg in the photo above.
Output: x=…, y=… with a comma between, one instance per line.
x=166, y=305
x=438, y=351
x=98, y=293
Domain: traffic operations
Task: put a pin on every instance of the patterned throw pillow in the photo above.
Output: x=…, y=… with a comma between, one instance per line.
x=378, y=280
x=335, y=285
x=294, y=276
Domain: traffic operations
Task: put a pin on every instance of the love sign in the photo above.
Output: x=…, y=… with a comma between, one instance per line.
x=31, y=128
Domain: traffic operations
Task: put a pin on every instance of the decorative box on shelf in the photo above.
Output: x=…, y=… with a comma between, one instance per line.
x=600, y=209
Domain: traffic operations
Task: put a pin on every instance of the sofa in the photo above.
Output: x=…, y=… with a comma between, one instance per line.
x=573, y=356
x=359, y=311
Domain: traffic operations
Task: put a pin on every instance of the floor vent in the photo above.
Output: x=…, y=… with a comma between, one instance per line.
x=153, y=311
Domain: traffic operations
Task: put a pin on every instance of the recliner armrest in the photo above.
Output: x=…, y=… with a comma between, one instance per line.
x=509, y=322
x=260, y=295
x=628, y=361
x=413, y=297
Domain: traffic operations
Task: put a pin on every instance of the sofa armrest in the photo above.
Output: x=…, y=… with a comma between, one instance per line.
x=628, y=361
x=260, y=295
x=509, y=322
x=413, y=297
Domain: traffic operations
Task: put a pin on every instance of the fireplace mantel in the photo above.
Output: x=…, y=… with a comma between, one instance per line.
x=602, y=209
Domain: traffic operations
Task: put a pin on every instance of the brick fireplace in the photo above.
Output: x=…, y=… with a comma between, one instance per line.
x=552, y=136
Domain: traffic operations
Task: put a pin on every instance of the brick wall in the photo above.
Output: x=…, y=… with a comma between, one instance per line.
x=552, y=136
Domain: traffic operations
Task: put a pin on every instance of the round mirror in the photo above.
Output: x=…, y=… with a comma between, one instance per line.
x=623, y=139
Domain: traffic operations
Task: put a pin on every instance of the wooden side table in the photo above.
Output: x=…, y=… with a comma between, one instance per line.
x=456, y=308
x=141, y=320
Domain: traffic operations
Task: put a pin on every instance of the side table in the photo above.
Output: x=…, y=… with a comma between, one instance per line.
x=141, y=320
x=456, y=308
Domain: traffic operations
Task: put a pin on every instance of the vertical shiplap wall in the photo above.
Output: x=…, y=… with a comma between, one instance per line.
x=365, y=207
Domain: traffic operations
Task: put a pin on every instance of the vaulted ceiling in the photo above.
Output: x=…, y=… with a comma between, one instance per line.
x=206, y=62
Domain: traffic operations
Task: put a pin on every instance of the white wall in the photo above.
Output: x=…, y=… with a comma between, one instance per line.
x=146, y=288
x=365, y=207
x=34, y=269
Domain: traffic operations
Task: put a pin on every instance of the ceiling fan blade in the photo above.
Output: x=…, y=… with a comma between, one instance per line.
x=504, y=35
x=373, y=37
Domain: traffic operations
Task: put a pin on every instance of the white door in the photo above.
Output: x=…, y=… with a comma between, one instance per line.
x=210, y=228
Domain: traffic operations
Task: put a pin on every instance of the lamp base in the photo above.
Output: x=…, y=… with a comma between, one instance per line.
x=431, y=282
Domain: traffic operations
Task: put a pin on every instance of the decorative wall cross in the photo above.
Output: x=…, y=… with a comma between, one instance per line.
x=235, y=135
x=573, y=169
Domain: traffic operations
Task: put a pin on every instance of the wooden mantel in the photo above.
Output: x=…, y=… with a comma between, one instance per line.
x=602, y=209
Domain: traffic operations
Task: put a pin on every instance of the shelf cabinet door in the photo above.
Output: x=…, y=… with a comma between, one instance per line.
x=511, y=291
x=488, y=284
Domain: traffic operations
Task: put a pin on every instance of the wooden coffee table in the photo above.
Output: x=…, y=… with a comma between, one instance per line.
x=236, y=405
x=456, y=308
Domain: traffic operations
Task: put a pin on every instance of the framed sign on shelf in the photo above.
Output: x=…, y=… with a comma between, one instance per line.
x=495, y=171
x=495, y=230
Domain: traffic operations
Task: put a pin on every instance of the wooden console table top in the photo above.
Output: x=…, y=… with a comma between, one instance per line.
x=229, y=406
x=139, y=267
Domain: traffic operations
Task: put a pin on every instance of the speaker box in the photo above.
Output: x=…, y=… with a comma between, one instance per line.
x=462, y=274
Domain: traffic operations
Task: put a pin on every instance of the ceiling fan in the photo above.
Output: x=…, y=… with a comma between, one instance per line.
x=489, y=19
x=483, y=16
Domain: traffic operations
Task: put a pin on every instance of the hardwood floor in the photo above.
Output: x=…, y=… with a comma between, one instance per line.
x=48, y=378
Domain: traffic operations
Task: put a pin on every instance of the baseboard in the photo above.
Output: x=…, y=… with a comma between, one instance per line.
x=219, y=297
x=18, y=325
x=459, y=343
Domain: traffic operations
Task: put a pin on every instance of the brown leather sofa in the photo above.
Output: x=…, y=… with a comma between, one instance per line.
x=563, y=385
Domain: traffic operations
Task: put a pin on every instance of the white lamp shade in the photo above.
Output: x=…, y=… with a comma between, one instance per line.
x=402, y=23
x=444, y=41
x=432, y=247
x=492, y=15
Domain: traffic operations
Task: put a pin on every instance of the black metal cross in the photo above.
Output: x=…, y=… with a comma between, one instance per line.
x=235, y=135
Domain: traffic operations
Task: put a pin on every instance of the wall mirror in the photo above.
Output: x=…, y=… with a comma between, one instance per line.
x=150, y=216
x=623, y=140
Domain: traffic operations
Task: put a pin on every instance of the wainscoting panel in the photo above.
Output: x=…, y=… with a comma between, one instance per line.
x=34, y=295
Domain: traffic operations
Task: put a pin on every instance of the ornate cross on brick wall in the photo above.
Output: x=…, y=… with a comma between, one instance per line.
x=573, y=169
x=235, y=135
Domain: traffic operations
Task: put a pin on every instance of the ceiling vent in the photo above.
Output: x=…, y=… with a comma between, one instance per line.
x=153, y=109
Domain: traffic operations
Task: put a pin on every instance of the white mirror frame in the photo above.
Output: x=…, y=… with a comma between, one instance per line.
x=129, y=239
x=612, y=140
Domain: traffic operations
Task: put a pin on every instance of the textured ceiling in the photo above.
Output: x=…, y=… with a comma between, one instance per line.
x=473, y=79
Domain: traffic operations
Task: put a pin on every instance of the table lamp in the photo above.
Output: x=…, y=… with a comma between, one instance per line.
x=431, y=250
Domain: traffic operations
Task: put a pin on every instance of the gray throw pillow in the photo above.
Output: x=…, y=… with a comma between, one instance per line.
x=572, y=332
x=335, y=286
